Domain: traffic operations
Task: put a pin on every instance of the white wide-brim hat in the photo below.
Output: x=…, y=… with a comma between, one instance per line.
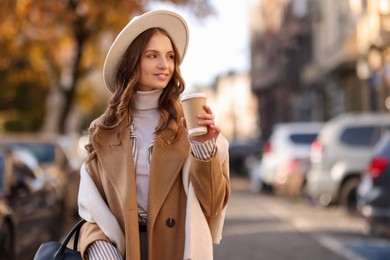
x=170, y=21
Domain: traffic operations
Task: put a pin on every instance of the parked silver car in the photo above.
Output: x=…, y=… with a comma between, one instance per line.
x=289, y=142
x=340, y=155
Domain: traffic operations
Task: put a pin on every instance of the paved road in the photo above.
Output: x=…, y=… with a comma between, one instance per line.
x=267, y=227
x=260, y=226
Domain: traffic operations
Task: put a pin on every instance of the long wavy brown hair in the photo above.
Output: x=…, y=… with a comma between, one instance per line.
x=127, y=77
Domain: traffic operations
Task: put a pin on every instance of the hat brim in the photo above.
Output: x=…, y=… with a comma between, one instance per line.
x=171, y=22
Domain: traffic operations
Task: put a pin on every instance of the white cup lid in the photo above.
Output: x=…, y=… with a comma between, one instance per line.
x=192, y=95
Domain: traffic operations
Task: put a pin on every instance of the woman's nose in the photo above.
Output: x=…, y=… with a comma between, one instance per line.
x=162, y=63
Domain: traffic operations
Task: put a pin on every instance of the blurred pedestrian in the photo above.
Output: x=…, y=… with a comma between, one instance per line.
x=147, y=189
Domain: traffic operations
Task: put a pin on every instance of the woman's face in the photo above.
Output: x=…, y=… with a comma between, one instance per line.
x=157, y=63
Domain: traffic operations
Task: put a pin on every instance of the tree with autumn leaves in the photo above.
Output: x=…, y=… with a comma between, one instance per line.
x=48, y=51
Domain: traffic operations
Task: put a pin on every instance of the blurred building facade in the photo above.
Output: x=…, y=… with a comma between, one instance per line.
x=235, y=106
x=314, y=59
x=331, y=73
x=281, y=46
x=373, y=42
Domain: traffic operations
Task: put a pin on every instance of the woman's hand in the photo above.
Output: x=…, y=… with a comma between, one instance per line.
x=205, y=119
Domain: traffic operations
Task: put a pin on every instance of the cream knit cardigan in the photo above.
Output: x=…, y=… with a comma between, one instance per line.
x=200, y=234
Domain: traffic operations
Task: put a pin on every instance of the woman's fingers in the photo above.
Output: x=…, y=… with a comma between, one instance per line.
x=205, y=119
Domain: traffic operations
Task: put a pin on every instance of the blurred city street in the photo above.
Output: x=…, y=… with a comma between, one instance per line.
x=299, y=88
x=264, y=226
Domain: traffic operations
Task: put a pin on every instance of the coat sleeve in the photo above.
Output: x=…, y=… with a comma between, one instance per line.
x=210, y=179
x=90, y=232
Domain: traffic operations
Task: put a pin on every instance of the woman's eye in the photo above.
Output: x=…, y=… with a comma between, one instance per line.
x=152, y=56
x=172, y=57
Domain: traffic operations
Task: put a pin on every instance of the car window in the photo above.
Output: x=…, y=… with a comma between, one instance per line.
x=383, y=147
x=360, y=135
x=303, y=138
x=44, y=152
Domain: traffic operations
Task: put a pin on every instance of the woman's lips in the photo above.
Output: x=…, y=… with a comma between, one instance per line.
x=161, y=76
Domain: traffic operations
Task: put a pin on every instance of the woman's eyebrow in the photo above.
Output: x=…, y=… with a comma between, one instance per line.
x=153, y=50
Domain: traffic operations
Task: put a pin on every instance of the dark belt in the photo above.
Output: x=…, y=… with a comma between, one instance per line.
x=142, y=227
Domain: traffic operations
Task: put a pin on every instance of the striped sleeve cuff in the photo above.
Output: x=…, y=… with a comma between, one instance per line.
x=103, y=250
x=204, y=151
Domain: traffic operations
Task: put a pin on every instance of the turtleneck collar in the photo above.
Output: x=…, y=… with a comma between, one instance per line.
x=146, y=100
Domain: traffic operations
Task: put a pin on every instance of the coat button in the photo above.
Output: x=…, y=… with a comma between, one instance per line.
x=170, y=222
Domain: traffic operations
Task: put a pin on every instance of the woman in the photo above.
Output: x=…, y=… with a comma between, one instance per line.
x=148, y=190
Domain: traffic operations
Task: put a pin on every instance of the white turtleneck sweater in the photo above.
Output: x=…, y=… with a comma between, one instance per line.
x=145, y=117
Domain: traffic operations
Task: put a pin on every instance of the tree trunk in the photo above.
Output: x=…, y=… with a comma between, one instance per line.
x=69, y=92
x=80, y=33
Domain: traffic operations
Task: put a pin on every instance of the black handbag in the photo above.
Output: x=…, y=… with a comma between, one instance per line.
x=54, y=250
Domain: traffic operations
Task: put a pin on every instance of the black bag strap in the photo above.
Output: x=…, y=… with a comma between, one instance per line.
x=74, y=231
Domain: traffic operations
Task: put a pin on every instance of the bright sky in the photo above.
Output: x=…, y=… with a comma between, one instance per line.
x=218, y=44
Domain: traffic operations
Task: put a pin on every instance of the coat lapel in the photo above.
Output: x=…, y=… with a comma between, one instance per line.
x=167, y=162
x=117, y=161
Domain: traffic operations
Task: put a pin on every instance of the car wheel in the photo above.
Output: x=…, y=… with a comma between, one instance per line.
x=305, y=194
x=6, y=243
x=348, y=195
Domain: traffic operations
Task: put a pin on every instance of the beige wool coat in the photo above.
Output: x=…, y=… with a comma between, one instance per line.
x=114, y=176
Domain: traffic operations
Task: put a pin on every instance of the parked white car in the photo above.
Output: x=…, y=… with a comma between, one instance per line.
x=288, y=142
x=340, y=155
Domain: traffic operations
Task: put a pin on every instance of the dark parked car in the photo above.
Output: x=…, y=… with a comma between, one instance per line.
x=240, y=155
x=54, y=160
x=29, y=206
x=374, y=190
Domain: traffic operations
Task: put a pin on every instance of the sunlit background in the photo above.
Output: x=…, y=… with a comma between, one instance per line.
x=263, y=64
